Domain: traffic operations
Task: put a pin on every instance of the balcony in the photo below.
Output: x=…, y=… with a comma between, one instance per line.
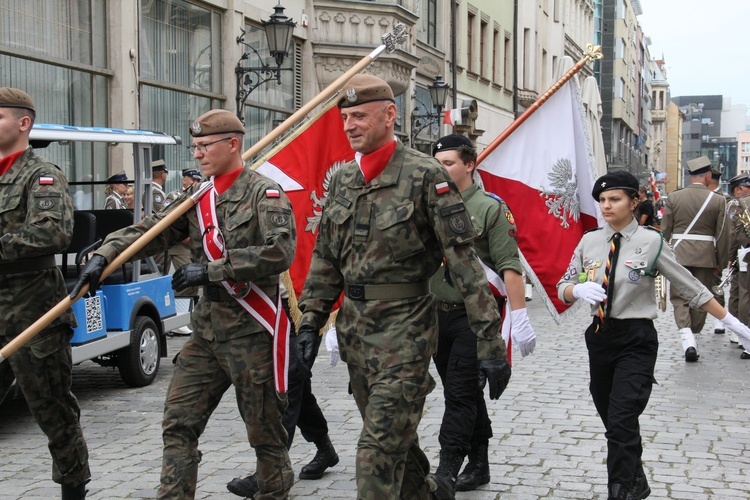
x=527, y=97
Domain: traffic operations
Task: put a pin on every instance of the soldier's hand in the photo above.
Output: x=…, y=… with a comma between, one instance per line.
x=308, y=343
x=589, y=291
x=190, y=275
x=496, y=372
x=91, y=274
x=523, y=335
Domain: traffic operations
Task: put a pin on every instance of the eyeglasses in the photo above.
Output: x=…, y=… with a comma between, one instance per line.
x=202, y=148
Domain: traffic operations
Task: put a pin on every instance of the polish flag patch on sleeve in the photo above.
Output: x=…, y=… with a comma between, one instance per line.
x=272, y=193
x=442, y=188
x=46, y=181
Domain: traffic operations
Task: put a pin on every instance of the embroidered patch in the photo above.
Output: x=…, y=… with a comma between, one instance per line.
x=46, y=181
x=442, y=188
x=46, y=203
x=509, y=216
x=279, y=219
x=458, y=224
x=157, y=198
x=634, y=275
x=638, y=250
x=272, y=193
x=513, y=233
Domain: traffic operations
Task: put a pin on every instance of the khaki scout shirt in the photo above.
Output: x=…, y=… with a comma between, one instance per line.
x=635, y=296
x=260, y=238
x=496, y=243
x=397, y=229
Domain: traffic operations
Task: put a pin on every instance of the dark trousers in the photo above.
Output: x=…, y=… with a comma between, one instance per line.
x=465, y=419
x=622, y=356
x=303, y=410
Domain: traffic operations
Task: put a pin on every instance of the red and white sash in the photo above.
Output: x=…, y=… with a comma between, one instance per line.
x=497, y=286
x=259, y=305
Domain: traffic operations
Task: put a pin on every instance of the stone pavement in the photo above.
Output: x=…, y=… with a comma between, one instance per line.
x=548, y=441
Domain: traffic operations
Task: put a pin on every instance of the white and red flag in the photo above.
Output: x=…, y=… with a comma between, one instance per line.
x=303, y=169
x=545, y=173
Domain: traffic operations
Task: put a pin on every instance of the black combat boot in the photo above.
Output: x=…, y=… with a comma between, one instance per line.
x=245, y=487
x=640, y=489
x=477, y=471
x=324, y=458
x=74, y=492
x=619, y=492
x=442, y=483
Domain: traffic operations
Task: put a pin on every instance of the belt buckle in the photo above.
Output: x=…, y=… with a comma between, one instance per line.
x=356, y=292
x=444, y=306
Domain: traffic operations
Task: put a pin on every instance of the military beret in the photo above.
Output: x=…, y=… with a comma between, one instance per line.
x=739, y=180
x=451, y=142
x=15, y=98
x=192, y=173
x=216, y=121
x=158, y=165
x=364, y=88
x=715, y=174
x=118, y=178
x=698, y=166
x=619, y=179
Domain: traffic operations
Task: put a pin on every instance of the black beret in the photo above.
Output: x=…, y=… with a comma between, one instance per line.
x=192, y=173
x=619, y=179
x=364, y=88
x=216, y=121
x=118, y=178
x=15, y=98
x=451, y=142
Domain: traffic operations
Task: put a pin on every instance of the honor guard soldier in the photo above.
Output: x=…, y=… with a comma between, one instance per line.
x=739, y=292
x=115, y=191
x=159, y=174
x=614, y=268
x=694, y=224
x=242, y=237
x=714, y=184
x=390, y=219
x=37, y=222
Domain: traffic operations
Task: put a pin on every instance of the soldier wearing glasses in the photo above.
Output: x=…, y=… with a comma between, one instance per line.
x=253, y=223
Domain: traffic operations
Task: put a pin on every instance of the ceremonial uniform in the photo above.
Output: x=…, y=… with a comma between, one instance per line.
x=741, y=239
x=179, y=254
x=115, y=202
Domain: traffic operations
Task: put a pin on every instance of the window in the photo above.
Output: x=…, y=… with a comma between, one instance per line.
x=432, y=22
x=482, y=48
x=619, y=48
x=470, y=42
x=496, y=77
x=528, y=54
x=746, y=147
x=508, y=63
x=619, y=88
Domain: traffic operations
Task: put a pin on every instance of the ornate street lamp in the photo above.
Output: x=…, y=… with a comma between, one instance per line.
x=439, y=91
x=279, y=30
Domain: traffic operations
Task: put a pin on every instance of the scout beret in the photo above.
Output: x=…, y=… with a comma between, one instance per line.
x=364, y=88
x=619, y=179
x=158, y=165
x=698, y=166
x=739, y=180
x=451, y=142
x=715, y=174
x=192, y=173
x=15, y=98
x=216, y=121
x=118, y=178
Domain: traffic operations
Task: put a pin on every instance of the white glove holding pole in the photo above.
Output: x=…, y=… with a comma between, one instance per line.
x=740, y=329
x=332, y=345
x=589, y=291
x=523, y=335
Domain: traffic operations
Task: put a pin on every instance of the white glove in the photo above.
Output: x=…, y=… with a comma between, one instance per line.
x=332, y=345
x=521, y=332
x=740, y=329
x=589, y=291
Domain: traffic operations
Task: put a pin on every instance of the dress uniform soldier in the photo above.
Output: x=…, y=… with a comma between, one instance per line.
x=242, y=233
x=739, y=186
x=613, y=269
x=739, y=214
x=694, y=222
x=37, y=222
x=115, y=192
x=714, y=184
x=159, y=174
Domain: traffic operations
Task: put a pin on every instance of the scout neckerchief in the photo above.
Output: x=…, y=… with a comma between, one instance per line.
x=373, y=164
x=252, y=299
x=497, y=287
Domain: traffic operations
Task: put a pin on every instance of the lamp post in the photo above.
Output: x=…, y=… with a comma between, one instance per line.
x=439, y=91
x=279, y=30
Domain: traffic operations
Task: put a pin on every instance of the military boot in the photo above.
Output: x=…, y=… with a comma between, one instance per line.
x=245, y=487
x=477, y=471
x=619, y=492
x=442, y=483
x=324, y=458
x=74, y=492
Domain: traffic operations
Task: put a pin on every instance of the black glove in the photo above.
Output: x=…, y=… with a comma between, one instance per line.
x=497, y=371
x=91, y=274
x=190, y=275
x=308, y=343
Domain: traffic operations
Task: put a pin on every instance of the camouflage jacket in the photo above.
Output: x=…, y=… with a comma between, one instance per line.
x=397, y=229
x=260, y=238
x=36, y=216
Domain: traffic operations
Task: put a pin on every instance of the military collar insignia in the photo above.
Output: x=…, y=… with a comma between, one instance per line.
x=351, y=95
x=196, y=127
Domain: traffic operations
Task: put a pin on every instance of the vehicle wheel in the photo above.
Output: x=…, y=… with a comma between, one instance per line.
x=139, y=362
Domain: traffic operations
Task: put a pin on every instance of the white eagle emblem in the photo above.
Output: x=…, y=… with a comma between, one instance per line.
x=318, y=202
x=196, y=126
x=351, y=95
x=562, y=200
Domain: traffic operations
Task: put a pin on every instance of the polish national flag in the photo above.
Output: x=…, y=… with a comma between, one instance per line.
x=545, y=172
x=303, y=169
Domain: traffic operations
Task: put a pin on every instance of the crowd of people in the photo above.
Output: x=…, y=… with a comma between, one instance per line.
x=410, y=241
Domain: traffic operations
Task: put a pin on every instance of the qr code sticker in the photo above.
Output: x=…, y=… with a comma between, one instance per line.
x=93, y=314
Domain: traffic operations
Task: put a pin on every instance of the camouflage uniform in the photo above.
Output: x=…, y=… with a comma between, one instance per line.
x=228, y=345
x=391, y=232
x=36, y=215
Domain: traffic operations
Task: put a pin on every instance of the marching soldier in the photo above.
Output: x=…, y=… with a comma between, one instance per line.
x=694, y=221
x=714, y=184
x=115, y=192
x=37, y=222
x=739, y=298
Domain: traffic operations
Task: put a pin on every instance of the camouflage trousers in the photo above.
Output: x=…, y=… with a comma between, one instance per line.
x=390, y=464
x=43, y=371
x=203, y=372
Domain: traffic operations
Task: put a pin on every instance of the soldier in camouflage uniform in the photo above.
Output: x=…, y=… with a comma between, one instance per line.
x=390, y=219
x=228, y=345
x=37, y=222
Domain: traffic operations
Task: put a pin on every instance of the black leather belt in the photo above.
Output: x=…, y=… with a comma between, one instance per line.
x=31, y=265
x=393, y=291
x=216, y=294
x=449, y=306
